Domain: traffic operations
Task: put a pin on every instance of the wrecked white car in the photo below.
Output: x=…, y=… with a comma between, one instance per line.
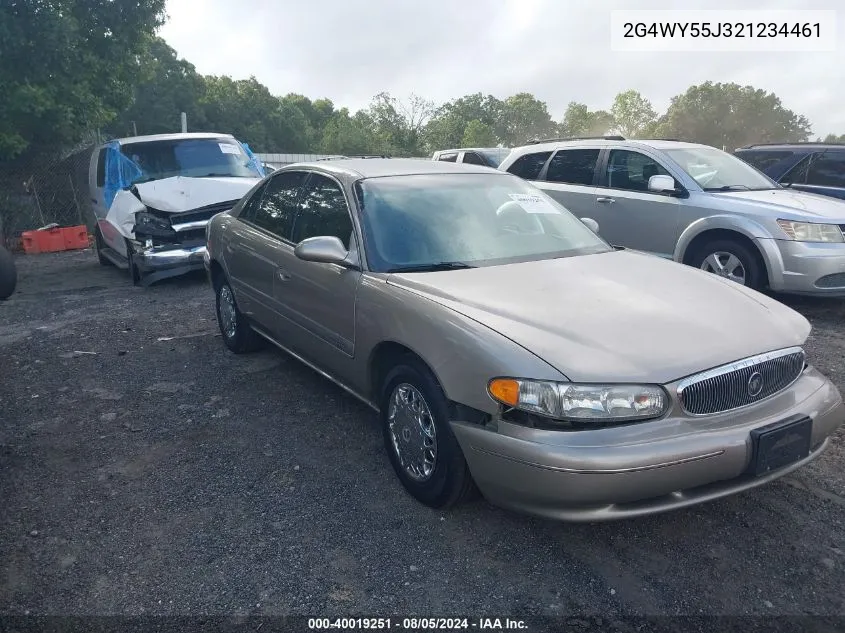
x=153, y=196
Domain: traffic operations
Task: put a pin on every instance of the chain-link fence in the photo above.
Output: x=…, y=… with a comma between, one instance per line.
x=43, y=192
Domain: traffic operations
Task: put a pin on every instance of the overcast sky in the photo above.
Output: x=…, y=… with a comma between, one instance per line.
x=559, y=50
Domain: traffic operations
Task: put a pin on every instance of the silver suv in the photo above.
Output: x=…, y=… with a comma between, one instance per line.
x=697, y=205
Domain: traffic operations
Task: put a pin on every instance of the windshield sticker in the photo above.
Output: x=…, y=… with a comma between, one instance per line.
x=228, y=148
x=533, y=203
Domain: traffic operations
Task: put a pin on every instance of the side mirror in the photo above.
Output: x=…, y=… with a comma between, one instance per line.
x=591, y=224
x=324, y=249
x=662, y=184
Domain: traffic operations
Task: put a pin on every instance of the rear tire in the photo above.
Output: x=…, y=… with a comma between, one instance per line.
x=422, y=448
x=8, y=274
x=733, y=260
x=237, y=334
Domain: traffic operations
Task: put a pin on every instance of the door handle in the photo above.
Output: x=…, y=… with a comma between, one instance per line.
x=282, y=274
x=606, y=200
x=94, y=200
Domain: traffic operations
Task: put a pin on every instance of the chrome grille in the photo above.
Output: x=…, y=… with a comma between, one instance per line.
x=741, y=383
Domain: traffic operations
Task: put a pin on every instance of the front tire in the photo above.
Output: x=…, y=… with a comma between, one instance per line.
x=732, y=260
x=237, y=334
x=100, y=244
x=134, y=272
x=422, y=448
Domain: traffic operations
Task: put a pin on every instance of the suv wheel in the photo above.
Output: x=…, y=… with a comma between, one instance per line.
x=422, y=448
x=237, y=334
x=732, y=260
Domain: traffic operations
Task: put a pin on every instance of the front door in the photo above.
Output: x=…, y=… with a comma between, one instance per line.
x=321, y=297
x=628, y=213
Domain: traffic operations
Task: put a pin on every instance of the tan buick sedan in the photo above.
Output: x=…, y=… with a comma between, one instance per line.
x=506, y=346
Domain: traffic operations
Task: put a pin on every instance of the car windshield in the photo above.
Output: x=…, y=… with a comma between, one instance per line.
x=196, y=158
x=715, y=170
x=495, y=155
x=442, y=221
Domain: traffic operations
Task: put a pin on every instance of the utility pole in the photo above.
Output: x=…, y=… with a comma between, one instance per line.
x=134, y=129
x=184, y=122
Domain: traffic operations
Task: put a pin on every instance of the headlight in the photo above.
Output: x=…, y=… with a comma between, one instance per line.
x=144, y=219
x=811, y=232
x=581, y=402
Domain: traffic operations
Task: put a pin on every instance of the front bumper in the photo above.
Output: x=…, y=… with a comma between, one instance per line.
x=638, y=469
x=807, y=268
x=160, y=262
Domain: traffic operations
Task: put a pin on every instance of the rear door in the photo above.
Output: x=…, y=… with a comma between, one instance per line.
x=627, y=212
x=96, y=182
x=259, y=242
x=825, y=174
x=569, y=178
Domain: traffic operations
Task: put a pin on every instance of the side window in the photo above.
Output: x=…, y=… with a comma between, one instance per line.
x=630, y=170
x=249, y=208
x=828, y=170
x=573, y=166
x=798, y=174
x=101, y=168
x=473, y=159
x=530, y=165
x=449, y=158
x=323, y=211
x=278, y=207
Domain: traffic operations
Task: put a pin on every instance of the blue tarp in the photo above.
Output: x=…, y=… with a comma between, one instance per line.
x=121, y=172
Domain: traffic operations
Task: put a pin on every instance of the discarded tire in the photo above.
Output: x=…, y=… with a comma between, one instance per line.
x=8, y=274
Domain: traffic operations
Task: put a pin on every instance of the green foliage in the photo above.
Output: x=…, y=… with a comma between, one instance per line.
x=633, y=114
x=67, y=67
x=833, y=138
x=730, y=115
x=478, y=134
x=579, y=120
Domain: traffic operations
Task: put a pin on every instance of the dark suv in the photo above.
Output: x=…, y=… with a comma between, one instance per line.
x=814, y=167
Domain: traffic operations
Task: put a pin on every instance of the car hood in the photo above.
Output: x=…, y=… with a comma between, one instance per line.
x=177, y=194
x=616, y=317
x=790, y=204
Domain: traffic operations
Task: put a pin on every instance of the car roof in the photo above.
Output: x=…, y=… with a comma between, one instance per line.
x=380, y=167
x=792, y=146
x=472, y=149
x=170, y=137
x=654, y=143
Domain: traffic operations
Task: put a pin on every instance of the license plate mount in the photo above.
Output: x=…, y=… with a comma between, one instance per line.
x=780, y=444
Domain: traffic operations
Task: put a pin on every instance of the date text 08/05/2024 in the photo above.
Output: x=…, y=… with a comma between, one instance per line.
x=417, y=624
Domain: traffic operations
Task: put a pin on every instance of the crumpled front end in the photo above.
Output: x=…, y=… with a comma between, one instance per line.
x=170, y=244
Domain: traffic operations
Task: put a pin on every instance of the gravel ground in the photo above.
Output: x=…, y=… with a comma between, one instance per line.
x=144, y=469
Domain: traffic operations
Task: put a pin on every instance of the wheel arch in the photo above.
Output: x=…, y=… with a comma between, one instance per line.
x=744, y=230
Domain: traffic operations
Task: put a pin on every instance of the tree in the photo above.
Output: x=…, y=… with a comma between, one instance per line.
x=346, y=135
x=448, y=125
x=832, y=138
x=523, y=117
x=632, y=113
x=247, y=109
x=579, y=120
x=478, y=134
x=68, y=67
x=398, y=127
x=730, y=115
x=167, y=87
